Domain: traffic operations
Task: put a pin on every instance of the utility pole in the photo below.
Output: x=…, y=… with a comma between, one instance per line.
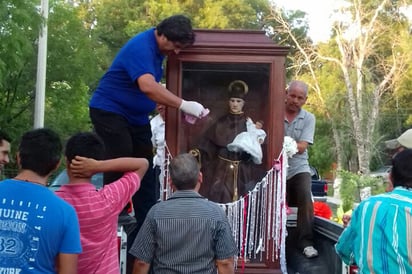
x=41, y=68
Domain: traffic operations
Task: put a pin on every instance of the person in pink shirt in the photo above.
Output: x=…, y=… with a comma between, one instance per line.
x=98, y=210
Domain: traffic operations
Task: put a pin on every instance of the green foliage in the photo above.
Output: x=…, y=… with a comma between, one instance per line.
x=18, y=30
x=119, y=20
x=299, y=28
x=351, y=185
x=229, y=14
x=321, y=153
x=72, y=71
x=83, y=37
x=113, y=19
x=352, y=105
x=18, y=33
x=348, y=189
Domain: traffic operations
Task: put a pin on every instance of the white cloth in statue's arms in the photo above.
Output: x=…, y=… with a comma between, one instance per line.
x=249, y=141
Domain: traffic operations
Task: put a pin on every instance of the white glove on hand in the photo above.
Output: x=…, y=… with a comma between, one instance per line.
x=191, y=107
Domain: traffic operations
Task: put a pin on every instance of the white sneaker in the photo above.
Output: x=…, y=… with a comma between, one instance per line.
x=310, y=252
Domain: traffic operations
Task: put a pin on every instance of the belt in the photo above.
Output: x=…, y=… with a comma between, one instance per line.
x=235, y=166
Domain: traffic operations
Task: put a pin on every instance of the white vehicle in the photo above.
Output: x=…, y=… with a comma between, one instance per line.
x=382, y=172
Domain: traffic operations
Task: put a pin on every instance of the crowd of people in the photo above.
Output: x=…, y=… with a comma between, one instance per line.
x=75, y=229
x=84, y=239
x=39, y=231
x=152, y=250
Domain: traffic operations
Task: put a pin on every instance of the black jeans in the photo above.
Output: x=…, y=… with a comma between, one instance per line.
x=298, y=193
x=124, y=140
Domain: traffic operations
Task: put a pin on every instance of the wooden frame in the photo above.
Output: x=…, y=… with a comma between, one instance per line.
x=202, y=72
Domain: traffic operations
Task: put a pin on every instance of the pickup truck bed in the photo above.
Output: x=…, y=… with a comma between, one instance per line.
x=326, y=233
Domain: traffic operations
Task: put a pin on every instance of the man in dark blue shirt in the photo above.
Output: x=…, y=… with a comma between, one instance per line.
x=128, y=93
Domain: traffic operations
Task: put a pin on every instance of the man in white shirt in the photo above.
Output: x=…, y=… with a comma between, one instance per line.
x=157, y=125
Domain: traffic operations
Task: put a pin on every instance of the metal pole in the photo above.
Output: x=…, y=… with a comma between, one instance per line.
x=41, y=68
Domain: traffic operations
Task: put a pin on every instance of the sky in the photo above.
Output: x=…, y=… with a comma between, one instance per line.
x=319, y=15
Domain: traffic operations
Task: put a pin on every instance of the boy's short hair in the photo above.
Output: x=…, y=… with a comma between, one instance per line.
x=402, y=169
x=184, y=171
x=40, y=151
x=85, y=144
x=177, y=28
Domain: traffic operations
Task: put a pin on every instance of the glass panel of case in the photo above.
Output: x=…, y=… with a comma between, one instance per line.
x=229, y=146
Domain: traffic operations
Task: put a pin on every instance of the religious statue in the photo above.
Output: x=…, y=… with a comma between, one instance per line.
x=230, y=151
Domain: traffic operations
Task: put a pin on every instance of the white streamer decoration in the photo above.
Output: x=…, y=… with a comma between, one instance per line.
x=254, y=225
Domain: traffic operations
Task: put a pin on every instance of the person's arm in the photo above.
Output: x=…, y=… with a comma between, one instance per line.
x=140, y=267
x=345, y=220
x=87, y=166
x=67, y=263
x=162, y=95
x=225, y=246
x=308, y=132
x=157, y=92
x=144, y=245
x=225, y=266
x=302, y=146
x=346, y=245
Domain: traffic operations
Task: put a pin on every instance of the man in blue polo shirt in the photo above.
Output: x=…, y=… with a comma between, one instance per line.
x=129, y=91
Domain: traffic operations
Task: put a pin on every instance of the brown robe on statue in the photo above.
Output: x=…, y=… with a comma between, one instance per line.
x=227, y=175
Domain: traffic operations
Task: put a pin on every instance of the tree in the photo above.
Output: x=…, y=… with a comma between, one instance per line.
x=368, y=60
x=71, y=67
x=84, y=36
x=119, y=20
x=73, y=70
x=19, y=30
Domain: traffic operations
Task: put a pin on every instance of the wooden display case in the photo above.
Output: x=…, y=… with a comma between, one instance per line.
x=204, y=72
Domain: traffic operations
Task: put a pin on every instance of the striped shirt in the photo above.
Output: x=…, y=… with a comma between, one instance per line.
x=98, y=212
x=379, y=236
x=184, y=234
